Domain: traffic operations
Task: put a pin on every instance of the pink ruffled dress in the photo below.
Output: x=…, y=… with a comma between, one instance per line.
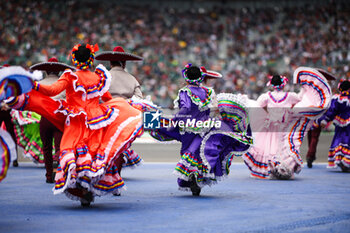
x=279, y=121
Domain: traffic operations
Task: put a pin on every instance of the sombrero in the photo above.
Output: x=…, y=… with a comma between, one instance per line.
x=327, y=75
x=118, y=54
x=211, y=74
x=52, y=65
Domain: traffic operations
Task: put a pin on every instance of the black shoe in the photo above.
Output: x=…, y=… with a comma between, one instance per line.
x=50, y=181
x=309, y=163
x=53, y=176
x=195, y=189
x=344, y=168
x=84, y=203
x=87, y=199
x=117, y=194
x=15, y=163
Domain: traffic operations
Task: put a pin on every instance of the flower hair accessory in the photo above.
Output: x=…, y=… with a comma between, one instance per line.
x=284, y=81
x=87, y=64
x=192, y=81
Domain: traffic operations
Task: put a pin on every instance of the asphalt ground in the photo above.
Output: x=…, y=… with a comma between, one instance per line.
x=318, y=200
x=153, y=151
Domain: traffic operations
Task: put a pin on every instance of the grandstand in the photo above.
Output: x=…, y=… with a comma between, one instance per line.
x=244, y=40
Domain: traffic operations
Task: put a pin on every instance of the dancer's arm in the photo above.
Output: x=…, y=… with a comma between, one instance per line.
x=262, y=101
x=331, y=113
x=53, y=89
x=294, y=98
x=184, y=106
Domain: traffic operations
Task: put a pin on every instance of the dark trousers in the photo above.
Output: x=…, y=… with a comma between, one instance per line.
x=48, y=133
x=312, y=137
x=119, y=163
x=5, y=116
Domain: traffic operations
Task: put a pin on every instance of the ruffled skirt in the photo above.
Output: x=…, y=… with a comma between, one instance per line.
x=339, y=152
x=28, y=134
x=88, y=160
x=7, y=150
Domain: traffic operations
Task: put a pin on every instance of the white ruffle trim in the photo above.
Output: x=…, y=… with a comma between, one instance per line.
x=14, y=70
x=287, y=150
x=212, y=103
x=106, y=122
x=237, y=98
x=254, y=167
x=28, y=119
x=69, y=115
x=149, y=105
x=206, y=181
x=343, y=100
x=338, y=123
x=101, y=92
x=189, y=166
x=201, y=131
x=134, y=166
x=106, y=86
x=97, y=192
x=71, y=183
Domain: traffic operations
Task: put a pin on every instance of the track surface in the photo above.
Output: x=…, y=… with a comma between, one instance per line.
x=318, y=200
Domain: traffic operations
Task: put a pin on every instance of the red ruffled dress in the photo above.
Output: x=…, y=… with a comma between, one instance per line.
x=94, y=133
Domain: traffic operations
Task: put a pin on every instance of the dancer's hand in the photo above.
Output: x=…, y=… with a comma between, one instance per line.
x=4, y=107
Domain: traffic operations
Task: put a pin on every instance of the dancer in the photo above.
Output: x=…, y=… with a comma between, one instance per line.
x=206, y=152
x=339, y=113
x=279, y=132
x=312, y=138
x=24, y=127
x=314, y=133
x=5, y=116
x=27, y=130
x=94, y=134
x=126, y=86
x=13, y=81
x=49, y=132
x=123, y=83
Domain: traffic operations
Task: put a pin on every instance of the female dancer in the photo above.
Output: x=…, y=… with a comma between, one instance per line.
x=94, y=134
x=206, y=152
x=279, y=132
x=13, y=81
x=27, y=131
x=339, y=113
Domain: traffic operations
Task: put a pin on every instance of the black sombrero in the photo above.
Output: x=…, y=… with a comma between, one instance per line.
x=52, y=65
x=118, y=54
x=327, y=75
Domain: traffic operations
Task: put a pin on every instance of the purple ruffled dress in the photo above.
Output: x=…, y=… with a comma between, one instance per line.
x=206, y=151
x=339, y=113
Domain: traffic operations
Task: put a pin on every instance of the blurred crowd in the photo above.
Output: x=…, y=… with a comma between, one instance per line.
x=244, y=44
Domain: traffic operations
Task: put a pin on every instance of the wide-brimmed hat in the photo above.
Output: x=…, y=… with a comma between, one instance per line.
x=210, y=74
x=327, y=75
x=52, y=65
x=118, y=54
